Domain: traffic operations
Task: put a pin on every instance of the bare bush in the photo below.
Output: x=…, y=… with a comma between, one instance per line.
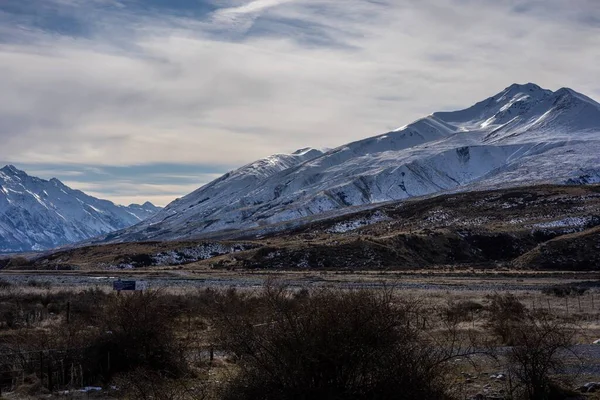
x=460, y=311
x=39, y=284
x=539, y=352
x=5, y=285
x=138, y=331
x=565, y=290
x=18, y=262
x=142, y=384
x=331, y=345
x=505, y=313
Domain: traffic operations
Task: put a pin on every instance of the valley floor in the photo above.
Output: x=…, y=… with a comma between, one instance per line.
x=483, y=281
x=471, y=290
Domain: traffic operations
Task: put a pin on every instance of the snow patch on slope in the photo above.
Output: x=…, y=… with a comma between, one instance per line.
x=354, y=224
x=565, y=222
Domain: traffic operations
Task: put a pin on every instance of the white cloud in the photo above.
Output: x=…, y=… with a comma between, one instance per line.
x=126, y=192
x=165, y=89
x=242, y=17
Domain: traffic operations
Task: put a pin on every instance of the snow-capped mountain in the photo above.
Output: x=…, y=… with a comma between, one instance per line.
x=523, y=135
x=37, y=214
x=142, y=211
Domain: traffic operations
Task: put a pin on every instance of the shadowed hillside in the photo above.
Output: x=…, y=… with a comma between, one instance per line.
x=540, y=227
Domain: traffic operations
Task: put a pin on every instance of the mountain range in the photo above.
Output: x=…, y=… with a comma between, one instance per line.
x=523, y=135
x=37, y=214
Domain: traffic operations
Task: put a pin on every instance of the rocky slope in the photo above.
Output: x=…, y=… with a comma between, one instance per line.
x=577, y=251
x=539, y=227
x=522, y=135
x=36, y=214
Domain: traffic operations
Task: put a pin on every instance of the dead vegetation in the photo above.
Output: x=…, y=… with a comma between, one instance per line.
x=284, y=343
x=332, y=345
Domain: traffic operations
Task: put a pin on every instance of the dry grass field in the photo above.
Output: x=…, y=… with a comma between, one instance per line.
x=466, y=324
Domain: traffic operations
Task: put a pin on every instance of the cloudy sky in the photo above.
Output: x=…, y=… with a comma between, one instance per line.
x=136, y=100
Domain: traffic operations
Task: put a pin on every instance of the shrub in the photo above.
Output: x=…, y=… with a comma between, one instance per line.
x=137, y=332
x=142, y=384
x=565, y=290
x=18, y=262
x=87, y=304
x=9, y=315
x=39, y=284
x=4, y=284
x=505, y=312
x=331, y=345
x=462, y=310
x=540, y=346
x=139, y=260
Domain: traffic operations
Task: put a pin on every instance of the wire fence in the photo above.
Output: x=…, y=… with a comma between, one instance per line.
x=68, y=368
x=53, y=368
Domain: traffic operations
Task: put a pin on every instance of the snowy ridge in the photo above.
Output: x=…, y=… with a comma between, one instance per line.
x=209, y=199
x=522, y=135
x=36, y=214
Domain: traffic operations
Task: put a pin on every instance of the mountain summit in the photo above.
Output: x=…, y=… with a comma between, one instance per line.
x=36, y=214
x=525, y=134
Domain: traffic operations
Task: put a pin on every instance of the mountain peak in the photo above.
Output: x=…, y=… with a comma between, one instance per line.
x=146, y=205
x=306, y=151
x=525, y=86
x=566, y=92
x=526, y=89
x=302, y=150
x=56, y=182
x=12, y=170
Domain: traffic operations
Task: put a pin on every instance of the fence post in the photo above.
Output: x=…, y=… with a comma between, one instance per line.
x=42, y=367
x=62, y=372
x=69, y=312
x=50, y=383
